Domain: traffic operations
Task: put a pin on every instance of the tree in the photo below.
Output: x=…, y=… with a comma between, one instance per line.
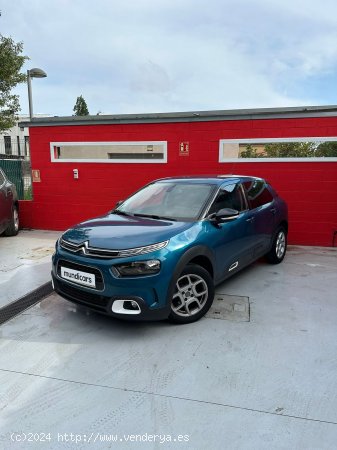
x=327, y=149
x=290, y=150
x=11, y=62
x=281, y=150
x=249, y=152
x=80, y=108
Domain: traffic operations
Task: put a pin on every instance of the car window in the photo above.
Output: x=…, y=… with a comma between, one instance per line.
x=257, y=193
x=177, y=200
x=2, y=178
x=229, y=196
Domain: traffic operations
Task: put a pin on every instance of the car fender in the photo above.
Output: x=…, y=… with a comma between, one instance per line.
x=189, y=255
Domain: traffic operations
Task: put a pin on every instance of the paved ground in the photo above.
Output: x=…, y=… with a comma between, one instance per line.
x=24, y=263
x=267, y=383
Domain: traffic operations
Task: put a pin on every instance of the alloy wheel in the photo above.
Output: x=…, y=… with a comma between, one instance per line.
x=280, y=244
x=190, y=295
x=16, y=219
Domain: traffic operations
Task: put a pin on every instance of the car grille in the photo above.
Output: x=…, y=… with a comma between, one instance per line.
x=95, y=252
x=88, y=251
x=94, y=301
x=82, y=268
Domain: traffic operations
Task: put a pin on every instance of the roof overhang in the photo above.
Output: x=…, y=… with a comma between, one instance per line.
x=189, y=116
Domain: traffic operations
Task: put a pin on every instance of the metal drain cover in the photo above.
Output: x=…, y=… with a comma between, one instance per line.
x=230, y=307
x=25, y=302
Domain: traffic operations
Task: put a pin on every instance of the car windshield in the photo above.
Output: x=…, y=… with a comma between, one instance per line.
x=170, y=200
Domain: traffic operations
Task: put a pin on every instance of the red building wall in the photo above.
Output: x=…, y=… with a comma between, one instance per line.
x=310, y=188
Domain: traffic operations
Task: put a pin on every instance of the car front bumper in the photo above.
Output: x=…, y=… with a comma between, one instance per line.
x=104, y=305
x=150, y=293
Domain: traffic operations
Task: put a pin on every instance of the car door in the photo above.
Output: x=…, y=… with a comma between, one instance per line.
x=233, y=240
x=6, y=201
x=262, y=212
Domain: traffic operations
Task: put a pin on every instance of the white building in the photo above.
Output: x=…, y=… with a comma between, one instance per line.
x=15, y=141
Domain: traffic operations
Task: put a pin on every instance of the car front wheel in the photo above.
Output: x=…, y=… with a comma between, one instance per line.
x=13, y=227
x=193, y=295
x=279, y=248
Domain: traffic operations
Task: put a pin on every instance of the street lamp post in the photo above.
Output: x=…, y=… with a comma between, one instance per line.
x=33, y=73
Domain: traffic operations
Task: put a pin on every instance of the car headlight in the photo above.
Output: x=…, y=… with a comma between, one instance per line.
x=137, y=268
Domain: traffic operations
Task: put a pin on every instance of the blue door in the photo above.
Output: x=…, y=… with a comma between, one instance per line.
x=233, y=240
x=262, y=210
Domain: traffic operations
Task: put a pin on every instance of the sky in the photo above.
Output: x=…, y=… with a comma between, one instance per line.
x=139, y=56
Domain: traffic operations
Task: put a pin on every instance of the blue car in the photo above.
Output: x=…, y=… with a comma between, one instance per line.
x=160, y=253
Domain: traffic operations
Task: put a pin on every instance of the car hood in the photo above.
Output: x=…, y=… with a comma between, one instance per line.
x=116, y=232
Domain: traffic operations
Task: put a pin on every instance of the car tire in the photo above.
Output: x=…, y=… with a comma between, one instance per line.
x=279, y=247
x=13, y=227
x=193, y=295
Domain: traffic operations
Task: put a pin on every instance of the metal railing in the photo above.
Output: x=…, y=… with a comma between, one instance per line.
x=15, y=162
x=18, y=171
x=13, y=148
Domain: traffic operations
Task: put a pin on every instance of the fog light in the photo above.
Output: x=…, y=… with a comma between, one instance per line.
x=130, y=305
x=125, y=307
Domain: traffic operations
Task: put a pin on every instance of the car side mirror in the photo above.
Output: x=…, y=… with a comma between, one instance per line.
x=116, y=206
x=225, y=215
x=119, y=203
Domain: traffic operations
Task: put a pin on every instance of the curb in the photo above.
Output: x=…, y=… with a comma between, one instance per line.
x=25, y=302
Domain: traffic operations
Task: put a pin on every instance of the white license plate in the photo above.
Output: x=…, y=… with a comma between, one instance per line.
x=78, y=277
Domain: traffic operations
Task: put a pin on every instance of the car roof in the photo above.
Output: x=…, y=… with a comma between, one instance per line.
x=210, y=179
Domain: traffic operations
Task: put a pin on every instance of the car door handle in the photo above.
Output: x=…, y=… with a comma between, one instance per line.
x=273, y=210
x=251, y=219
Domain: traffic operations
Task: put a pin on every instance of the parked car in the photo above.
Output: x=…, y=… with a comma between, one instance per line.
x=9, y=207
x=160, y=253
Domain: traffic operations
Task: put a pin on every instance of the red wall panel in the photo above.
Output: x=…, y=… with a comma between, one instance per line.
x=310, y=188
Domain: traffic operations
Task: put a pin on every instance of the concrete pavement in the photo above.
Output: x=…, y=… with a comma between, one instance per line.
x=268, y=381
x=25, y=263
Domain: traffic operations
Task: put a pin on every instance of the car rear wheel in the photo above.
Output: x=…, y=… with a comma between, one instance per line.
x=13, y=227
x=279, y=248
x=193, y=295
